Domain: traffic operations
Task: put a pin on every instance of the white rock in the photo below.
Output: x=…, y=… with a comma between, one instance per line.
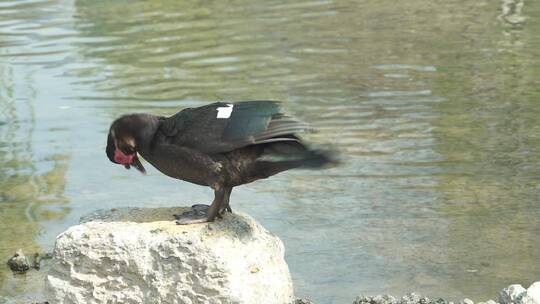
x=491, y=302
x=510, y=294
x=531, y=296
x=468, y=301
x=142, y=256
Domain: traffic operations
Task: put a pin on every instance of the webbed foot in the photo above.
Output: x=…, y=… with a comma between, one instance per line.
x=198, y=214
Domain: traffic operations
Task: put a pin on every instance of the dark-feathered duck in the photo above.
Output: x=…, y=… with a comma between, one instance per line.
x=220, y=145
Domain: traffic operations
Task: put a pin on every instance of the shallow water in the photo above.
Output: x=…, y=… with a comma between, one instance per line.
x=434, y=106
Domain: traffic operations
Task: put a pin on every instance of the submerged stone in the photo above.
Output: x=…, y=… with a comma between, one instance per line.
x=467, y=301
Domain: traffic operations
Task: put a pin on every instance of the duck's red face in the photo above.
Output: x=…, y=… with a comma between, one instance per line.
x=121, y=150
x=122, y=158
x=128, y=160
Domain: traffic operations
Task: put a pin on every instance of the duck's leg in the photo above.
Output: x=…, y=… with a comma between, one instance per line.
x=213, y=211
x=225, y=205
x=202, y=213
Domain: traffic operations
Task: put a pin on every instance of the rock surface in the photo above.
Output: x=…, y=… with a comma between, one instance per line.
x=138, y=255
x=531, y=295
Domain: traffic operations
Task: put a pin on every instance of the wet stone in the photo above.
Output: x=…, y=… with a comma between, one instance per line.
x=362, y=300
x=18, y=263
x=379, y=299
x=414, y=298
x=511, y=294
x=384, y=299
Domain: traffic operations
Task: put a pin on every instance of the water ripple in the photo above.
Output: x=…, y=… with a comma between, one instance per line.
x=436, y=123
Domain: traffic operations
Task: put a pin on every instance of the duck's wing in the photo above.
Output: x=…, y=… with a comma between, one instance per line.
x=222, y=127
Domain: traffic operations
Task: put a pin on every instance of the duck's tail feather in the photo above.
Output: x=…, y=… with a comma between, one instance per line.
x=298, y=157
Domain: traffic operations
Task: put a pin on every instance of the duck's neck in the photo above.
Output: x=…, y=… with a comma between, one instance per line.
x=148, y=125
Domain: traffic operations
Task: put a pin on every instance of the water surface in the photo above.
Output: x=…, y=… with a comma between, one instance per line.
x=434, y=106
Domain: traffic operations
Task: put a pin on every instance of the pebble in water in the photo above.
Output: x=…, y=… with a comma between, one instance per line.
x=411, y=298
x=18, y=262
x=513, y=294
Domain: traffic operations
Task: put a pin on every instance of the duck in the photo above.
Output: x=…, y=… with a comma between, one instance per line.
x=221, y=145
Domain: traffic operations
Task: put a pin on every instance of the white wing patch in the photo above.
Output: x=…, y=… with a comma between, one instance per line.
x=225, y=112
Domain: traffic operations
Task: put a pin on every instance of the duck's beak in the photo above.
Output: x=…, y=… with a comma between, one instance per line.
x=128, y=160
x=138, y=165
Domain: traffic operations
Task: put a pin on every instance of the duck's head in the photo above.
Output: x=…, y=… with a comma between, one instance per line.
x=122, y=144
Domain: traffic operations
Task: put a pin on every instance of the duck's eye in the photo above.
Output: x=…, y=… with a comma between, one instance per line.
x=128, y=150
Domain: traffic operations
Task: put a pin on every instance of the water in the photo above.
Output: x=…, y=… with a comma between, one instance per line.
x=433, y=105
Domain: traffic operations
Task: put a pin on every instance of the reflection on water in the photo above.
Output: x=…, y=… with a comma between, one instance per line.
x=433, y=105
x=31, y=184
